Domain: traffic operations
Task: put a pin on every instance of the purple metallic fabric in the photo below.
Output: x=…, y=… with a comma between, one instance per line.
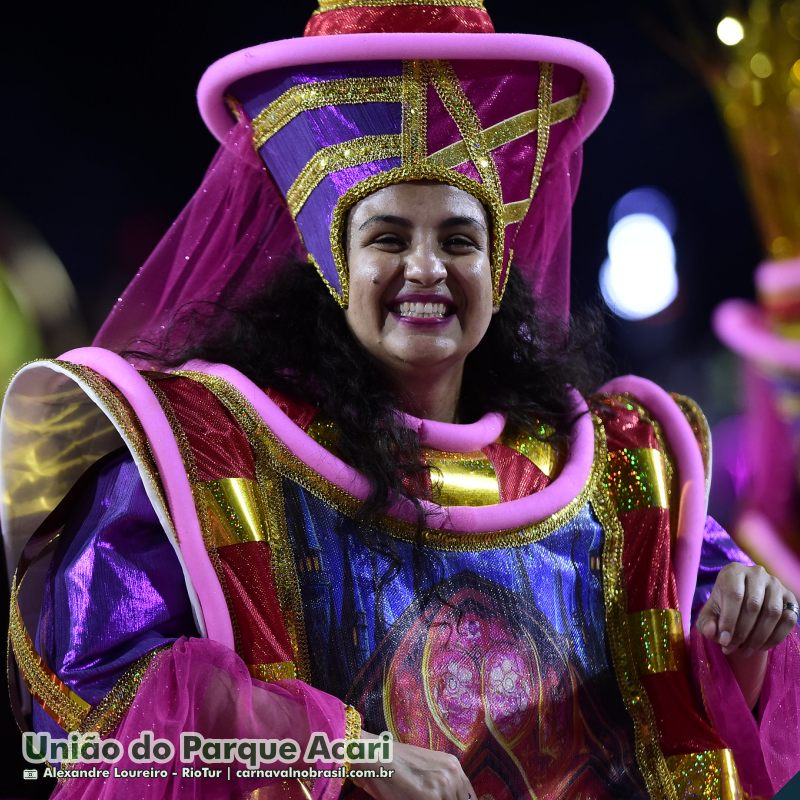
x=114, y=590
x=718, y=550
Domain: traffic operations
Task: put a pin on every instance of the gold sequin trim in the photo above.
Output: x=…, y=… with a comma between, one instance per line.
x=657, y=640
x=307, y=96
x=463, y=482
x=58, y=700
x=404, y=174
x=710, y=775
x=699, y=424
x=455, y=100
x=337, y=157
x=507, y=131
x=415, y=112
x=276, y=671
x=234, y=516
x=352, y=730
x=112, y=401
x=276, y=456
x=108, y=713
x=340, y=5
x=545, y=121
x=649, y=757
x=637, y=479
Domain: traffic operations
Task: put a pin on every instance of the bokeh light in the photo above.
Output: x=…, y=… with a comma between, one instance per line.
x=730, y=31
x=638, y=280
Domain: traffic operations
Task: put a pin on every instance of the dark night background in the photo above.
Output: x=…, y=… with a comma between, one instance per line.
x=102, y=145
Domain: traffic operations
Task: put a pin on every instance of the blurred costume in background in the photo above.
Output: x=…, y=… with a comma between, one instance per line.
x=551, y=655
x=757, y=463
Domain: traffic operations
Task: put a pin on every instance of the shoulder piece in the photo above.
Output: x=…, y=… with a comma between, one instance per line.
x=690, y=477
x=699, y=424
x=74, y=410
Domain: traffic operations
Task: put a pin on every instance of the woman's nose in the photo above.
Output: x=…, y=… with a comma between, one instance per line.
x=425, y=267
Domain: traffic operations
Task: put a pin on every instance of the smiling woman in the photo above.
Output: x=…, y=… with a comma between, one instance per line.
x=377, y=493
x=420, y=288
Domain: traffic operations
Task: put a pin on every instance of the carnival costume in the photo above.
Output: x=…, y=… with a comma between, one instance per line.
x=756, y=475
x=551, y=654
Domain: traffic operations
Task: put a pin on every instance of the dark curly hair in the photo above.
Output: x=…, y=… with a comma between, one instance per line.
x=294, y=338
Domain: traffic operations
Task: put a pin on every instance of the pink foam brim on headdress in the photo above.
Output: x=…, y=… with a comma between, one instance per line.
x=222, y=74
x=778, y=276
x=743, y=327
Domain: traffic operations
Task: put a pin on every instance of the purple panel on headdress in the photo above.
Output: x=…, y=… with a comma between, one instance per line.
x=315, y=218
x=289, y=150
x=258, y=91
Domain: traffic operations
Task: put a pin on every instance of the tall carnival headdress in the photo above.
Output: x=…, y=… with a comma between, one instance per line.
x=379, y=92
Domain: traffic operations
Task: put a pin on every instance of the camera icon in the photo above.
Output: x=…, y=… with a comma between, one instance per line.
x=30, y=774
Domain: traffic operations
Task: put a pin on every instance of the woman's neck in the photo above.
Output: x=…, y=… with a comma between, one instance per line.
x=432, y=396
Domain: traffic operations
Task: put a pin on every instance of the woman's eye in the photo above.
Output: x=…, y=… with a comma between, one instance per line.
x=460, y=242
x=389, y=240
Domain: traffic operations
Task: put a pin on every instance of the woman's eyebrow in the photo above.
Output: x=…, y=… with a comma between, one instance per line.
x=386, y=218
x=454, y=221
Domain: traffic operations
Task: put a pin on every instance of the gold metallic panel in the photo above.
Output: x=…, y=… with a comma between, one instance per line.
x=324, y=432
x=542, y=453
x=710, y=775
x=506, y=131
x=515, y=212
x=234, y=514
x=637, y=479
x=336, y=157
x=463, y=482
x=308, y=96
x=276, y=671
x=657, y=640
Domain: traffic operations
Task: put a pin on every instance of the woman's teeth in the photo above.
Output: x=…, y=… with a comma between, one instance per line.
x=422, y=309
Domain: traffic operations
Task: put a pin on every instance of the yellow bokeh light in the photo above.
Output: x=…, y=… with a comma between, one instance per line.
x=796, y=71
x=761, y=65
x=730, y=31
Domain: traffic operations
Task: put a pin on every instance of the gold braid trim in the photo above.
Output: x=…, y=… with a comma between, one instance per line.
x=308, y=96
x=106, y=715
x=545, y=121
x=699, y=424
x=649, y=756
x=341, y=5
x=58, y=700
x=283, y=462
x=352, y=730
x=507, y=131
x=657, y=640
x=337, y=157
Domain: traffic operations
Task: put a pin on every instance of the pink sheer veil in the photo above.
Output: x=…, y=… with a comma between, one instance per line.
x=237, y=230
x=234, y=232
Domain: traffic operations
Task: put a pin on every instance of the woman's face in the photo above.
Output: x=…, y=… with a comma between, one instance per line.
x=420, y=276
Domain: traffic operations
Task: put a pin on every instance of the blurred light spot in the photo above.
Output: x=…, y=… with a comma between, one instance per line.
x=796, y=72
x=638, y=280
x=793, y=100
x=645, y=200
x=761, y=65
x=730, y=31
